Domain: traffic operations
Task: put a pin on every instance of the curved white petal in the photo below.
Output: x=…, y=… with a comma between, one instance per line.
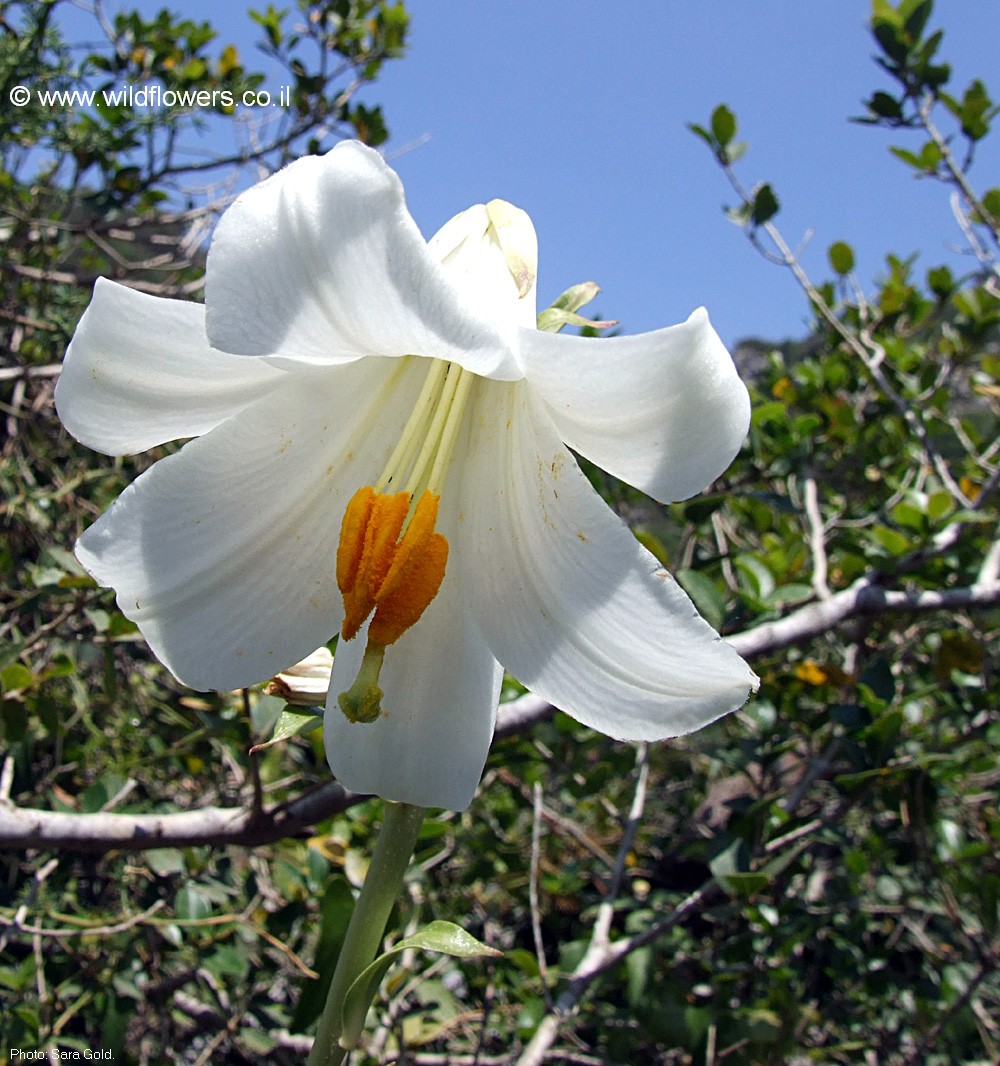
x=490, y=252
x=139, y=372
x=323, y=263
x=664, y=411
x=568, y=600
x=224, y=553
x=441, y=687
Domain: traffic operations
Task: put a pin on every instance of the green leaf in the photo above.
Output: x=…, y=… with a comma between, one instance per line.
x=765, y=205
x=444, y=937
x=723, y=125
x=878, y=678
x=192, y=903
x=884, y=106
x=841, y=257
x=292, y=724
x=915, y=13
x=336, y=909
x=891, y=38
x=940, y=281
x=908, y=157
x=976, y=111
x=704, y=594
x=15, y=677
x=991, y=204
x=731, y=869
x=700, y=131
x=891, y=540
x=760, y=580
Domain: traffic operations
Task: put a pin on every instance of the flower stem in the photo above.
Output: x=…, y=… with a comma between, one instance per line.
x=393, y=850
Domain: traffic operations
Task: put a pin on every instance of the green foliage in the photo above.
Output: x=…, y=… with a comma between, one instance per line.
x=840, y=834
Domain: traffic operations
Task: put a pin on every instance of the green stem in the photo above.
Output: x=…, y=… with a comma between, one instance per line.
x=393, y=850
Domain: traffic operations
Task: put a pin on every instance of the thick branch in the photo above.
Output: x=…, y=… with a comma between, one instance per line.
x=24, y=828
x=27, y=828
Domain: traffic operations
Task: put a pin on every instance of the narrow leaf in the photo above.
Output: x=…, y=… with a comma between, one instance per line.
x=291, y=724
x=444, y=937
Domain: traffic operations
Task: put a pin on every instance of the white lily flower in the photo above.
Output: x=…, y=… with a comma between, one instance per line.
x=395, y=465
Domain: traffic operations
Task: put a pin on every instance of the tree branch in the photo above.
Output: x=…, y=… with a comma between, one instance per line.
x=244, y=826
x=864, y=597
x=22, y=827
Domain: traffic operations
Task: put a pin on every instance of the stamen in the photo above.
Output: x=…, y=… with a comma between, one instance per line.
x=375, y=571
x=414, y=578
x=449, y=432
x=390, y=559
x=409, y=440
x=433, y=440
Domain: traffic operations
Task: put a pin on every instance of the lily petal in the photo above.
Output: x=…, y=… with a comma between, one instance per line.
x=441, y=687
x=566, y=597
x=664, y=411
x=490, y=252
x=139, y=372
x=323, y=264
x=224, y=554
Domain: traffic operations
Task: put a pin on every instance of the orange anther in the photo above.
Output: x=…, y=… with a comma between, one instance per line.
x=378, y=570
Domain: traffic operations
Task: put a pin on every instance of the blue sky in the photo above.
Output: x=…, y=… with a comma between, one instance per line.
x=577, y=113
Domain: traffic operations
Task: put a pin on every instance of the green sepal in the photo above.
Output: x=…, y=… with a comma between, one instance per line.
x=291, y=724
x=444, y=937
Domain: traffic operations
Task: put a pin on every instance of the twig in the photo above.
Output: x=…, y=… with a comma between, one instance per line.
x=536, y=917
x=600, y=949
x=817, y=539
x=862, y=344
x=919, y=1053
x=13, y=373
x=90, y=930
x=597, y=963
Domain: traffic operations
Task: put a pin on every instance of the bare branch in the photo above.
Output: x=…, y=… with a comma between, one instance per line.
x=26, y=828
x=536, y=916
x=241, y=826
x=864, y=597
x=817, y=540
x=862, y=344
x=595, y=963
